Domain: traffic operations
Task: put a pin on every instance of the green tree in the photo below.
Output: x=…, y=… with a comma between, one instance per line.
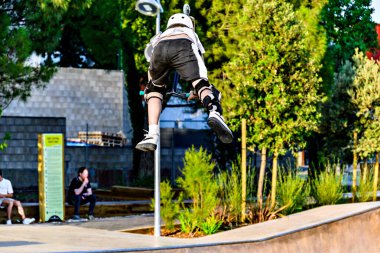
x=27, y=27
x=347, y=25
x=271, y=77
x=365, y=95
x=21, y=27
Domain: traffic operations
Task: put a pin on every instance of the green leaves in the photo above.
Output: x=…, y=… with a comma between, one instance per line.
x=271, y=76
x=200, y=186
x=365, y=96
x=21, y=24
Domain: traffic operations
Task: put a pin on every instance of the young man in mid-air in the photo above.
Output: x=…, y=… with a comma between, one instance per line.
x=178, y=48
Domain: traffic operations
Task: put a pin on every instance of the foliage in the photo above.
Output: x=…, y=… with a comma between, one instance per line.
x=200, y=186
x=211, y=225
x=188, y=221
x=268, y=74
x=364, y=190
x=339, y=115
x=230, y=189
x=327, y=188
x=169, y=208
x=292, y=191
x=263, y=211
x=365, y=95
x=3, y=143
x=348, y=25
x=23, y=30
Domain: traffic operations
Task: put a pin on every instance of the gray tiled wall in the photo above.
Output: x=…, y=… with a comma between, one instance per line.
x=83, y=96
x=19, y=160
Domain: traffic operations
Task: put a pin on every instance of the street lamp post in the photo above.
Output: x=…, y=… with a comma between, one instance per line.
x=153, y=8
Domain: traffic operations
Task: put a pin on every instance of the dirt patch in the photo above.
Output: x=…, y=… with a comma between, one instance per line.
x=177, y=233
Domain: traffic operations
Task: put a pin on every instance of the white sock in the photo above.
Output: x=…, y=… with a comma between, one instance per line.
x=153, y=129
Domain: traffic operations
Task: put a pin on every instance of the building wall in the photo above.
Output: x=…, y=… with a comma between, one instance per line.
x=19, y=160
x=83, y=96
x=108, y=165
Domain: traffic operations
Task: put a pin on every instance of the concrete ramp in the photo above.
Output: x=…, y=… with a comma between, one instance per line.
x=345, y=228
x=348, y=228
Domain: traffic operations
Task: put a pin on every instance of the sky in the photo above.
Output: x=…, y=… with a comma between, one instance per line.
x=376, y=13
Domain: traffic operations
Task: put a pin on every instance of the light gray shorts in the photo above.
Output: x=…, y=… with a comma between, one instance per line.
x=1, y=201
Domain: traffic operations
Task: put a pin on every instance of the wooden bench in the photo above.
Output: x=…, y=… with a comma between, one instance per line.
x=102, y=209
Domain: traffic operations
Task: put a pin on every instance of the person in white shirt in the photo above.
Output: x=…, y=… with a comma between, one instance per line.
x=6, y=194
x=178, y=48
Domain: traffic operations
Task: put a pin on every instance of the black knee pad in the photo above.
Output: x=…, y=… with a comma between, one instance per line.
x=153, y=90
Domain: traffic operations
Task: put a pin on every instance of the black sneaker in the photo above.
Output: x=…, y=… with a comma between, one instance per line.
x=216, y=123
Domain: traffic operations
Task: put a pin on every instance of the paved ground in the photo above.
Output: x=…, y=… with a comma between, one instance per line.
x=118, y=223
x=347, y=228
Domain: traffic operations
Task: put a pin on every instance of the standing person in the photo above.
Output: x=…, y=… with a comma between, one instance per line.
x=80, y=193
x=6, y=200
x=178, y=48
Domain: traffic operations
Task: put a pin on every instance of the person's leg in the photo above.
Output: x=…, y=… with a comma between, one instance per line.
x=210, y=98
x=191, y=67
x=154, y=94
x=77, y=204
x=20, y=209
x=92, y=200
x=8, y=203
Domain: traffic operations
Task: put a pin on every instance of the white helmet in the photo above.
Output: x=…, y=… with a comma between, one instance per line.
x=180, y=19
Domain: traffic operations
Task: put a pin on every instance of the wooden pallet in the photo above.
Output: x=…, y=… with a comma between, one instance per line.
x=103, y=138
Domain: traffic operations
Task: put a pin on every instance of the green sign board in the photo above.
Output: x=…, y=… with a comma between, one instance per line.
x=51, y=176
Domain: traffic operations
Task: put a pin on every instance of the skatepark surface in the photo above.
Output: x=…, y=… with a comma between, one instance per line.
x=346, y=228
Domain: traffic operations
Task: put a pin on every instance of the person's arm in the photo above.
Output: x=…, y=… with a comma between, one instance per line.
x=8, y=195
x=88, y=190
x=80, y=189
x=9, y=191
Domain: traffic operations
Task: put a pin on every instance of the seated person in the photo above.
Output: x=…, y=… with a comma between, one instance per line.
x=6, y=194
x=80, y=193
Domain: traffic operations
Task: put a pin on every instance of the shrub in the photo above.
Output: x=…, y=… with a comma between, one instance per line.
x=327, y=188
x=169, y=208
x=262, y=211
x=365, y=188
x=230, y=191
x=292, y=191
x=188, y=221
x=211, y=225
x=200, y=186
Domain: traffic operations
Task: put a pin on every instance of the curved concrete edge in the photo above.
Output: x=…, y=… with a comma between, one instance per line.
x=293, y=224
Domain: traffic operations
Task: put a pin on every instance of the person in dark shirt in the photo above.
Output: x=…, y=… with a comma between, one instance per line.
x=80, y=193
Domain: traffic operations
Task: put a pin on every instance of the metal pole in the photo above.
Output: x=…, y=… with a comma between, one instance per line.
x=157, y=167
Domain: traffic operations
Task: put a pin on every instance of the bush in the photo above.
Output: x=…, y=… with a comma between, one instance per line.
x=292, y=192
x=200, y=186
x=230, y=191
x=327, y=188
x=188, y=220
x=169, y=208
x=259, y=212
x=365, y=189
x=211, y=225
